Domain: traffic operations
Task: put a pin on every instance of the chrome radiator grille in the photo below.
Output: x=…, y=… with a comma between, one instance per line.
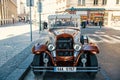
x=64, y=46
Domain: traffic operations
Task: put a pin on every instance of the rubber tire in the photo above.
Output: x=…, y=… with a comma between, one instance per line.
x=37, y=61
x=93, y=62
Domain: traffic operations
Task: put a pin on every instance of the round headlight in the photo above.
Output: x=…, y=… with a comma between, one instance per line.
x=51, y=47
x=77, y=47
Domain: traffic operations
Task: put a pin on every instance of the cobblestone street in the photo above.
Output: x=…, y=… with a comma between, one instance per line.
x=14, y=38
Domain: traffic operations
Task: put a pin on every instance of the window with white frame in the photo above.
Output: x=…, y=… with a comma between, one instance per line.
x=95, y=2
x=81, y=2
x=104, y=2
x=117, y=1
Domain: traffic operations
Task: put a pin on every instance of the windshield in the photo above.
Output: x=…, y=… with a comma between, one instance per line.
x=63, y=22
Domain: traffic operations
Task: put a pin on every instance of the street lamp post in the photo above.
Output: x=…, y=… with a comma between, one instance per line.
x=40, y=22
x=30, y=3
x=39, y=10
x=30, y=25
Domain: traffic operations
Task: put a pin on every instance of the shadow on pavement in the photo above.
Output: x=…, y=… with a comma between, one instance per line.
x=66, y=76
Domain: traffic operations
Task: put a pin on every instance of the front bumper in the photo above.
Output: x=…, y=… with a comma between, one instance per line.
x=65, y=69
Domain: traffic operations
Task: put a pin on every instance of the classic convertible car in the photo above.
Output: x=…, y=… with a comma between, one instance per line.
x=65, y=50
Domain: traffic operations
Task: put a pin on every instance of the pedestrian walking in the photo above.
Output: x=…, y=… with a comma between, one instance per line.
x=100, y=24
x=87, y=22
x=83, y=24
x=13, y=20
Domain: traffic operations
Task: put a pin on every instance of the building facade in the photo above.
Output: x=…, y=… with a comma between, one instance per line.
x=22, y=10
x=48, y=7
x=93, y=11
x=8, y=11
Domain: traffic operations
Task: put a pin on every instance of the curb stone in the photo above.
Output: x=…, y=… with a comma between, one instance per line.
x=18, y=66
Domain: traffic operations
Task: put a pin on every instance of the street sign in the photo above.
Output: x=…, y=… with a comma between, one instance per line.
x=39, y=7
x=30, y=2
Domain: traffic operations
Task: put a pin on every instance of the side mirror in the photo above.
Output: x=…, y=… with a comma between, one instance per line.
x=45, y=25
x=83, y=39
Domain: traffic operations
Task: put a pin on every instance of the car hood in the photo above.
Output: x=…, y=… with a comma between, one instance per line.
x=70, y=31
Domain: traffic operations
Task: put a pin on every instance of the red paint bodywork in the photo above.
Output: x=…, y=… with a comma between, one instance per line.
x=62, y=60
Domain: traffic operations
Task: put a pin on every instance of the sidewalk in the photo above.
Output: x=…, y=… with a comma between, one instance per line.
x=11, y=25
x=112, y=27
x=14, y=39
x=15, y=29
x=15, y=50
x=92, y=26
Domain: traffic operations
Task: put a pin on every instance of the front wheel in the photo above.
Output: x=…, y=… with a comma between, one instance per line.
x=37, y=61
x=92, y=62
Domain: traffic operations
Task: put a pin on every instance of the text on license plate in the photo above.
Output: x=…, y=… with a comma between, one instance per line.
x=64, y=69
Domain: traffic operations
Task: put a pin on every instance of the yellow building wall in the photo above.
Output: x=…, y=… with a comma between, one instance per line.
x=12, y=10
x=8, y=10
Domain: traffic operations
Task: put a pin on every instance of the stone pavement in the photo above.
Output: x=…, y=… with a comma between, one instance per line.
x=114, y=27
x=108, y=27
x=13, y=39
x=15, y=53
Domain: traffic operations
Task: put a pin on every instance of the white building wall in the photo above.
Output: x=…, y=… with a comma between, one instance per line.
x=49, y=7
x=113, y=11
x=61, y=6
x=73, y=3
x=111, y=4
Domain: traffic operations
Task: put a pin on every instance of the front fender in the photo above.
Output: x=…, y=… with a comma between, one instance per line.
x=42, y=48
x=38, y=48
x=91, y=47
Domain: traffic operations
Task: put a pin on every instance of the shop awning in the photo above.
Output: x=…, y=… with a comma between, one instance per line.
x=85, y=9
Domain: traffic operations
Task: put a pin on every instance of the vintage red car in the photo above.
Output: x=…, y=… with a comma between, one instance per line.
x=66, y=50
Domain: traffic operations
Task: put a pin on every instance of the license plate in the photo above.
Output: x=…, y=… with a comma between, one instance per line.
x=64, y=69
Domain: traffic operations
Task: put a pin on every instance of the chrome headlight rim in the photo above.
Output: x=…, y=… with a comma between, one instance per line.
x=51, y=47
x=77, y=46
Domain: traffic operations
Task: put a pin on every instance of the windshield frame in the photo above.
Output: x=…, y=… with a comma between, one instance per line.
x=70, y=21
